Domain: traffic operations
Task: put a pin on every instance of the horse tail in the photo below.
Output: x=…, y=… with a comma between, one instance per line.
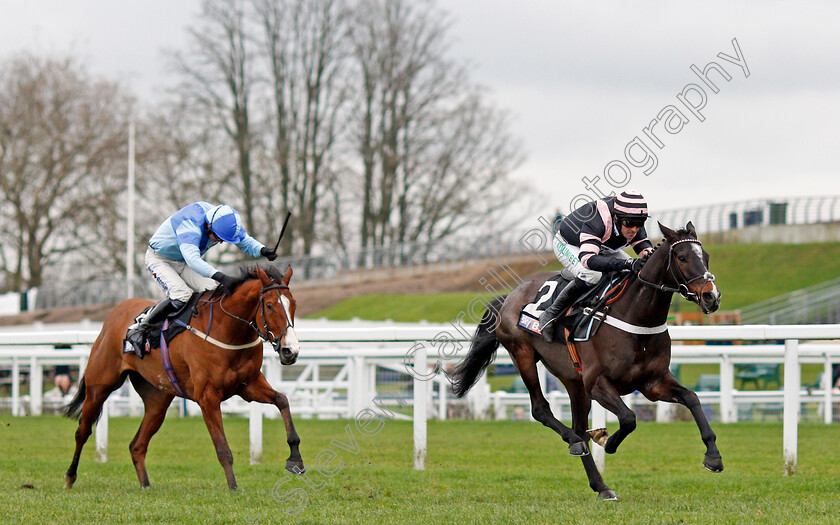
x=73, y=410
x=482, y=350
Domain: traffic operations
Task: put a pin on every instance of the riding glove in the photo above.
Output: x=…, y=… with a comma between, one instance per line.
x=226, y=283
x=268, y=253
x=636, y=265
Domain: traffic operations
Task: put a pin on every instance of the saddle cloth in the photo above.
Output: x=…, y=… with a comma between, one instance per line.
x=583, y=322
x=153, y=340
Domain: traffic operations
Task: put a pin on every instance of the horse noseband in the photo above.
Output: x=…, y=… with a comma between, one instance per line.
x=267, y=334
x=682, y=288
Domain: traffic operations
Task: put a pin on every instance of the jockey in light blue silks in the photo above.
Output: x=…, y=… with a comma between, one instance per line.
x=174, y=257
x=590, y=240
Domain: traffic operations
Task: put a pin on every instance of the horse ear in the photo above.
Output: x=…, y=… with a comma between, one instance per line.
x=670, y=235
x=288, y=275
x=690, y=229
x=266, y=280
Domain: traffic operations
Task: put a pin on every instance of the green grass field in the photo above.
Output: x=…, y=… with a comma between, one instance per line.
x=477, y=472
x=745, y=274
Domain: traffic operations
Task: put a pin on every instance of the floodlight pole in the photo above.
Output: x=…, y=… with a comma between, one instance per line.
x=129, y=242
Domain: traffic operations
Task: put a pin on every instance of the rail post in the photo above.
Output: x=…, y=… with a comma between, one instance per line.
x=599, y=420
x=102, y=434
x=420, y=370
x=791, y=405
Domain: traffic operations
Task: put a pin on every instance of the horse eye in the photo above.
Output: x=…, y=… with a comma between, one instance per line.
x=268, y=305
x=681, y=258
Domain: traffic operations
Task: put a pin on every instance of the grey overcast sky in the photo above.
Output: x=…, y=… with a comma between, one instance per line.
x=581, y=82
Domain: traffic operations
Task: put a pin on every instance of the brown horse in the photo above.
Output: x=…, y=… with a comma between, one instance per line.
x=614, y=362
x=259, y=307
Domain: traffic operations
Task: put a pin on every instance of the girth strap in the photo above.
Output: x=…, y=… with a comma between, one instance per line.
x=167, y=364
x=630, y=328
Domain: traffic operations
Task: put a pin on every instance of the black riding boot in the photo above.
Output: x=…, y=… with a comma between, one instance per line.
x=138, y=332
x=567, y=296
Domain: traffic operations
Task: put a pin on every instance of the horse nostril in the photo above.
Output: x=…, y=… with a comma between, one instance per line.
x=286, y=352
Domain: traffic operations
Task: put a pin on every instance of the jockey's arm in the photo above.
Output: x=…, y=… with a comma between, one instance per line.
x=189, y=237
x=192, y=256
x=602, y=263
x=641, y=244
x=250, y=246
x=591, y=258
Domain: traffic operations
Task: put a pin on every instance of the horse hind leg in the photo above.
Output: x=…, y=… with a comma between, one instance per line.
x=156, y=402
x=540, y=409
x=94, y=398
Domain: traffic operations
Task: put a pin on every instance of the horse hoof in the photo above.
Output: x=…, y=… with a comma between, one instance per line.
x=295, y=467
x=578, y=449
x=713, y=464
x=599, y=435
x=68, y=481
x=607, y=495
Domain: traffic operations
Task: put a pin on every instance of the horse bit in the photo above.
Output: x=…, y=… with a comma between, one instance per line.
x=682, y=288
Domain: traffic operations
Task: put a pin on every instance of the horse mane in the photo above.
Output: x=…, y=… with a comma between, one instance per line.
x=682, y=232
x=249, y=273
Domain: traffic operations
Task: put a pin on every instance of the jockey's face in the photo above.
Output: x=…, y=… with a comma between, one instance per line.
x=629, y=233
x=630, y=227
x=213, y=237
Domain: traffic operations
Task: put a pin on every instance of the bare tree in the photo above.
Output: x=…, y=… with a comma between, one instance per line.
x=349, y=114
x=434, y=156
x=217, y=82
x=62, y=138
x=304, y=47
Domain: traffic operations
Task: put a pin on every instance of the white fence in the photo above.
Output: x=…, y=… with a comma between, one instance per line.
x=342, y=370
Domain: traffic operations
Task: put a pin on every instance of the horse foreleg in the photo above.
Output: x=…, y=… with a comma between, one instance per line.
x=156, y=402
x=210, y=401
x=260, y=391
x=670, y=390
x=605, y=393
x=540, y=408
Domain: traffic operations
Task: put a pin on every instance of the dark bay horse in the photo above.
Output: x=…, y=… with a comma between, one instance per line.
x=260, y=307
x=614, y=362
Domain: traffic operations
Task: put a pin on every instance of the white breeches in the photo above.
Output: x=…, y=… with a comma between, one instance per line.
x=178, y=280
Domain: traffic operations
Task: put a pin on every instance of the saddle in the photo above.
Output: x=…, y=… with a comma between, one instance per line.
x=140, y=345
x=585, y=316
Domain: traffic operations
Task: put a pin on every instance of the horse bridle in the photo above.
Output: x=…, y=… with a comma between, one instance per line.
x=266, y=334
x=682, y=287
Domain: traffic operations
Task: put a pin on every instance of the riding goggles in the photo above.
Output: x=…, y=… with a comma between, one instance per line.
x=632, y=223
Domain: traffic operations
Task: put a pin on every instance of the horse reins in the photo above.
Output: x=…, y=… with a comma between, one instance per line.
x=682, y=287
x=266, y=334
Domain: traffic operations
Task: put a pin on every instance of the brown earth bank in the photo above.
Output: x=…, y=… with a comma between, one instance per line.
x=314, y=296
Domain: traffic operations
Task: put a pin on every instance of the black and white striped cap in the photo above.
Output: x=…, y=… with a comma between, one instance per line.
x=631, y=203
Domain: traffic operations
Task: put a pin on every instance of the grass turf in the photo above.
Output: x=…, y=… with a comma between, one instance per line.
x=477, y=472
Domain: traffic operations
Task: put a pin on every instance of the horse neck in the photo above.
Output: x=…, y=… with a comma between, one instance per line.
x=643, y=304
x=243, y=304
